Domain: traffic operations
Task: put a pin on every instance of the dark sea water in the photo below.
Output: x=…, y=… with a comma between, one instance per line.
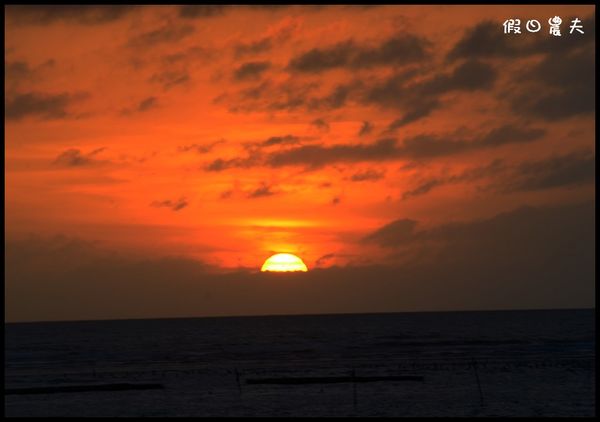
x=531, y=363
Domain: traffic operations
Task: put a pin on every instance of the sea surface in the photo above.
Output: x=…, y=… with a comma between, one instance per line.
x=497, y=363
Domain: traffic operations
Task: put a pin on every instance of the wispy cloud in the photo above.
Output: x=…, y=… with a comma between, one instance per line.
x=174, y=205
x=44, y=105
x=73, y=157
x=262, y=191
x=200, y=148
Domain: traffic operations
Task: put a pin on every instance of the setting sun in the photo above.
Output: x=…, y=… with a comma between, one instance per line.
x=284, y=262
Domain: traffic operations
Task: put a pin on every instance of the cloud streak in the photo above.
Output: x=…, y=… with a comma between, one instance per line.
x=559, y=171
x=261, y=192
x=166, y=34
x=368, y=175
x=200, y=149
x=386, y=149
x=251, y=71
x=174, y=205
x=73, y=157
x=400, y=50
x=43, y=105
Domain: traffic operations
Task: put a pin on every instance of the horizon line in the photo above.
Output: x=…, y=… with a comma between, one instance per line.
x=297, y=315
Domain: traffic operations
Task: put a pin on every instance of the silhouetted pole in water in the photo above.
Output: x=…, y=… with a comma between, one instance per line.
x=474, y=364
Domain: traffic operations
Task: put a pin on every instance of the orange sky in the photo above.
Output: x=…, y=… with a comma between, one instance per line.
x=226, y=134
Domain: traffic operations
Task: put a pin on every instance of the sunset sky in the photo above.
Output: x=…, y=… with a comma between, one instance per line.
x=415, y=157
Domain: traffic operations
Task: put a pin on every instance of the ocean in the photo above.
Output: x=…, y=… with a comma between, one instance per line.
x=492, y=363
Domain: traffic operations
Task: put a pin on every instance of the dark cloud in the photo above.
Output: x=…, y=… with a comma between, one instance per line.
x=424, y=146
x=201, y=11
x=526, y=229
x=471, y=75
x=558, y=87
x=318, y=60
x=18, y=69
x=368, y=175
x=147, y=104
x=323, y=259
x=335, y=99
x=221, y=164
x=262, y=191
x=555, y=87
x=319, y=155
x=528, y=258
x=280, y=140
x=508, y=134
x=290, y=96
x=394, y=233
x=416, y=110
x=144, y=105
x=187, y=55
x=270, y=97
x=572, y=169
x=391, y=91
x=401, y=50
x=425, y=186
x=529, y=255
x=256, y=92
x=568, y=42
x=266, y=43
x=173, y=205
x=321, y=125
x=365, y=129
x=169, y=79
x=296, y=96
x=418, y=147
x=200, y=149
x=487, y=40
x=419, y=99
x=254, y=47
x=336, y=200
x=469, y=175
x=80, y=14
x=18, y=72
x=421, y=146
x=255, y=148
x=251, y=70
x=73, y=157
x=468, y=76
x=46, y=106
x=169, y=33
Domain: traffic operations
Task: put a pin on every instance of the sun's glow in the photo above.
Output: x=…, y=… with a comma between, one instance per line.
x=284, y=262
